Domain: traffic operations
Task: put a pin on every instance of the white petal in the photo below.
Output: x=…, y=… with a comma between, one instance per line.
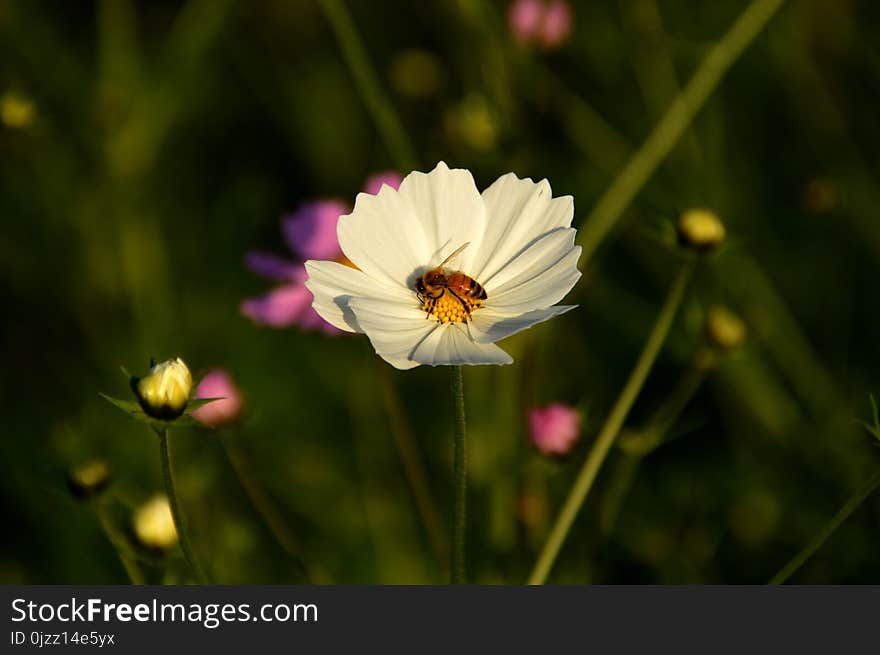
x=526, y=292
x=451, y=343
x=334, y=285
x=395, y=330
x=383, y=237
x=487, y=325
x=517, y=213
x=451, y=212
x=530, y=262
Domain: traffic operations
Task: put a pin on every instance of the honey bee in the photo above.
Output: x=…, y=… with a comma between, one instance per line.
x=435, y=283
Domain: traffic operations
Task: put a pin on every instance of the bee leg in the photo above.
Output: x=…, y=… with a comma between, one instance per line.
x=467, y=308
x=429, y=307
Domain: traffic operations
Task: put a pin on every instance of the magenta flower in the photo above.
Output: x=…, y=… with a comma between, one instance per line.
x=538, y=21
x=554, y=429
x=218, y=384
x=310, y=233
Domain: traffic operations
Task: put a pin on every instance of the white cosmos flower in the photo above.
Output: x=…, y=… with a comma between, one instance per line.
x=520, y=249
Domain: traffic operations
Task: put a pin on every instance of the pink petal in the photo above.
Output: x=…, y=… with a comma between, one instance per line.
x=272, y=266
x=524, y=19
x=556, y=25
x=374, y=182
x=310, y=231
x=218, y=384
x=554, y=429
x=281, y=307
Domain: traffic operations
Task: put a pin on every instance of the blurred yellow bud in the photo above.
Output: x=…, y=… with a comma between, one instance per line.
x=16, y=111
x=89, y=479
x=164, y=392
x=154, y=523
x=724, y=329
x=701, y=230
x=473, y=122
x=416, y=73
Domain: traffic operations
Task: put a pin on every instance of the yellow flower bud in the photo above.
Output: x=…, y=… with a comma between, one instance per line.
x=16, y=111
x=164, y=392
x=89, y=480
x=154, y=523
x=701, y=230
x=724, y=329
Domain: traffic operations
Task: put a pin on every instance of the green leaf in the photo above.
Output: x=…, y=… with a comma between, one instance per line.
x=195, y=403
x=130, y=407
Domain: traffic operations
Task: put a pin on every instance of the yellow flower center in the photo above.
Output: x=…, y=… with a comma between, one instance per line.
x=449, y=309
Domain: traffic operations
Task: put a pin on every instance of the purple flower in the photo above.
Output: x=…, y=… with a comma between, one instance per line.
x=554, y=429
x=218, y=384
x=310, y=233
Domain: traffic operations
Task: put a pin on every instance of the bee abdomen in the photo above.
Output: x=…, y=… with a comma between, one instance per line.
x=476, y=290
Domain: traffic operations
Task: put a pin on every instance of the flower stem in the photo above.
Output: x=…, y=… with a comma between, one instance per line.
x=268, y=511
x=387, y=121
x=610, y=430
x=459, y=517
x=170, y=491
x=646, y=441
x=849, y=507
x=675, y=121
x=414, y=468
x=135, y=575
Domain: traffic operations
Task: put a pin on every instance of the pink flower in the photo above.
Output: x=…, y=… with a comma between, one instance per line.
x=374, y=182
x=310, y=233
x=556, y=25
x=218, y=384
x=524, y=19
x=554, y=429
x=537, y=21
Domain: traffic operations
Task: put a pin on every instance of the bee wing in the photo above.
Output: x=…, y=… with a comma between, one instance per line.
x=448, y=261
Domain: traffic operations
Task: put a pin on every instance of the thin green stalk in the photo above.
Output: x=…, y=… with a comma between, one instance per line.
x=182, y=535
x=268, y=511
x=459, y=514
x=673, y=124
x=414, y=468
x=387, y=121
x=851, y=506
x=611, y=429
x=646, y=441
x=135, y=575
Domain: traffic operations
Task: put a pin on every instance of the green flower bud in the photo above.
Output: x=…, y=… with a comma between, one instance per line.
x=700, y=230
x=164, y=392
x=89, y=480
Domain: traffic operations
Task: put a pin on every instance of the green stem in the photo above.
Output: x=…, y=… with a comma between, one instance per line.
x=610, y=430
x=268, y=511
x=387, y=121
x=135, y=575
x=646, y=441
x=182, y=535
x=674, y=122
x=459, y=517
x=414, y=468
x=851, y=505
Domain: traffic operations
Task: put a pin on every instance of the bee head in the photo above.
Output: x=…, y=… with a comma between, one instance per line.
x=420, y=287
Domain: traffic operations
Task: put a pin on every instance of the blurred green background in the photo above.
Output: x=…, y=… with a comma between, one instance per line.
x=166, y=139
